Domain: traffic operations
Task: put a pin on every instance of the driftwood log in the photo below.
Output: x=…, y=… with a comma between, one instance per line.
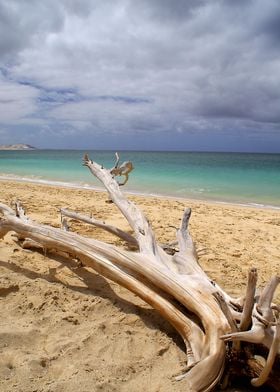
x=224, y=336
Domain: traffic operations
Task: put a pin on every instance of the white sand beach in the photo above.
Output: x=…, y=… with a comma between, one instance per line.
x=65, y=328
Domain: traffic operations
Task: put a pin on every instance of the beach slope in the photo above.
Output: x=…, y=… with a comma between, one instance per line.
x=65, y=328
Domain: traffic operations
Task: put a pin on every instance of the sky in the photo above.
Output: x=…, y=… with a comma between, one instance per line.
x=141, y=74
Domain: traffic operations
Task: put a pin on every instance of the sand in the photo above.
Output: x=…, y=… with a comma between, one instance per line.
x=65, y=328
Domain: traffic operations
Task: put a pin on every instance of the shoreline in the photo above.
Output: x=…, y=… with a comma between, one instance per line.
x=70, y=185
x=231, y=223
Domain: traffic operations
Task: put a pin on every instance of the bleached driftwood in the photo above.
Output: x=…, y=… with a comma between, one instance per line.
x=91, y=221
x=206, y=317
x=123, y=170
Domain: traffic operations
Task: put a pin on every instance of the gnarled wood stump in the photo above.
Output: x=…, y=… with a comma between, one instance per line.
x=219, y=331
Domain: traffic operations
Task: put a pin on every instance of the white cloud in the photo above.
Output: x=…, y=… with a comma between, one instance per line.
x=191, y=63
x=16, y=102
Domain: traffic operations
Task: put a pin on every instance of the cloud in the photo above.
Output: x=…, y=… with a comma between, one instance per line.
x=16, y=102
x=25, y=23
x=151, y=66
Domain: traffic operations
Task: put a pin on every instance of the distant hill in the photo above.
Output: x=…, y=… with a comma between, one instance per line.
x=17, y=147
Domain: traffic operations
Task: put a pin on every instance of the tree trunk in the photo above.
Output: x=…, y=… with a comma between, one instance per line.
x=214, y=326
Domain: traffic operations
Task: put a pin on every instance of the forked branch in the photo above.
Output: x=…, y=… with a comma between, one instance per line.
x=91, y=221
x=123, y=170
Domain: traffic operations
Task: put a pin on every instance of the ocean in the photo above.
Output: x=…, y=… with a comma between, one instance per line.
x=243, y=178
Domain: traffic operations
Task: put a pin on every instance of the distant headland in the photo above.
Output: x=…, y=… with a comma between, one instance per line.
x=17, y=147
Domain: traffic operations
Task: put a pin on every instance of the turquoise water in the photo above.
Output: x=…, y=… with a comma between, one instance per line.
x=229, y=177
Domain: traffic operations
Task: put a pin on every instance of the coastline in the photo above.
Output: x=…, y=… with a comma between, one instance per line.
x=108, y=337
x=249, y=179
x=95, y=188
x=213, y=216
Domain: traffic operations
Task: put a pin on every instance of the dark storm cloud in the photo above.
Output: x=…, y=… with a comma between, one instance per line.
x=167, y=11
x=271, y=25
x=140, y=66
x=23, y=20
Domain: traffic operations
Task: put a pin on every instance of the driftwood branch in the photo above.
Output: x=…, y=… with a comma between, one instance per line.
x=273, y=351
x=249, y=300
x=109, y=228
x=123, y=170
x=206, y=317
